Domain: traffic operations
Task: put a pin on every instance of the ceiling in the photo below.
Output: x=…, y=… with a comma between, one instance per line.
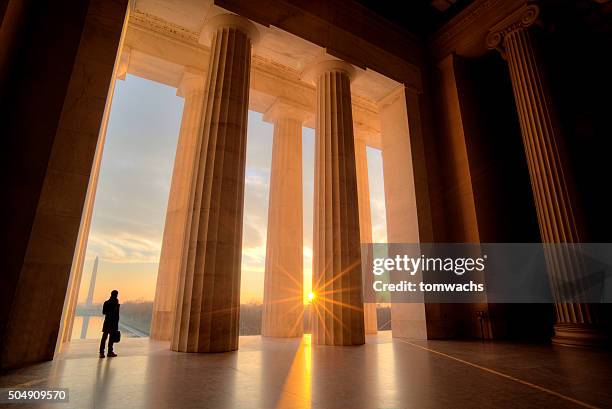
x=189, y=14
x=275, y=45
x=420, y=17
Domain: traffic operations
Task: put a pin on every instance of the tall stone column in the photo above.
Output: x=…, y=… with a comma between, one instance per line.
x=555, y=198
x=191, y=89
x=365, y=226
x=338, y=303
x=283, y=306
x=208, y=299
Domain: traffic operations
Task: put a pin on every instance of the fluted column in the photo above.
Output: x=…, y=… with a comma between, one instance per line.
x=191, y=89
x=365, y=226
x=207, y=311
x=338, y=303
x=555, y=198
x=283, y=305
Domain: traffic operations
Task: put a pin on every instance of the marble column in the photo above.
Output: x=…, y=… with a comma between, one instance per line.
x=208, y=298
x=336, y=281
x=191, y=88
x=283, y=306
x=554, y=195
x=365, y=226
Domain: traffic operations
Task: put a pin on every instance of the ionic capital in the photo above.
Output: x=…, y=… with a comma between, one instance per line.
x=285, y=109
x=192, y=80
x=520, y=19
x=234, y=21
x=314, y=70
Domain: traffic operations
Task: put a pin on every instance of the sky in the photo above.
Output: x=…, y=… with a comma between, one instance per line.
x=132, y=194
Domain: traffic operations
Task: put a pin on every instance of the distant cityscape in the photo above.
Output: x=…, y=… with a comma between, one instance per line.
x=136, y=319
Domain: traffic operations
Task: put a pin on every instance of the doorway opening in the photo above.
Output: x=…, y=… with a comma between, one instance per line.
x=379, y=222
x=130, y=206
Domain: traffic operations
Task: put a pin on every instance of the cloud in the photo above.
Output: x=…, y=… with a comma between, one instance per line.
x=379, y=233
x=255, y=214
x=252, y=235
x=307, y=252
x=379, y=221
x=257, y=179
x=123, y=247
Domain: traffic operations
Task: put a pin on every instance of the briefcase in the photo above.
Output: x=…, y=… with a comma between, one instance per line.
x=116, y=336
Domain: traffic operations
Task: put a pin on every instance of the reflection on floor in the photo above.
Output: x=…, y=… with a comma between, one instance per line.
x=272, y=373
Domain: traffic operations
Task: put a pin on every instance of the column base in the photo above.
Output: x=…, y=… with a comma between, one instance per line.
x=162, y=325
x=582, y=335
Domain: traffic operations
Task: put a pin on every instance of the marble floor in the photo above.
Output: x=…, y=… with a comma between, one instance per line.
x=385, y=373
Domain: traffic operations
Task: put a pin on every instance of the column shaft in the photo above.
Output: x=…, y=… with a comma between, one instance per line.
x=338, y=305
x=555, y=199
x=546, y=166
x=207, y=312
x=365, y=228
x=283, y=287
x=171, y=257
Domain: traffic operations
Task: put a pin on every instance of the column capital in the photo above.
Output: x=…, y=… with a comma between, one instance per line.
x=234, y=21
x=284, y=108
x=521, y=18
x=315, y=69
x=192, y=79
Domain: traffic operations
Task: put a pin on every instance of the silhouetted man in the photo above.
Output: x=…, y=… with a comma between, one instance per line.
x=110, y=309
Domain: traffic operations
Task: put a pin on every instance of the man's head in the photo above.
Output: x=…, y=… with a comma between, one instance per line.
x=114, y=294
